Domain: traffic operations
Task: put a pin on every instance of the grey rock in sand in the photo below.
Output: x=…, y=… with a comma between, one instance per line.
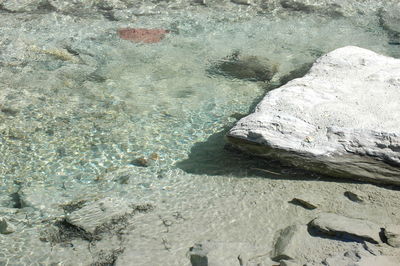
x=341, y=119
x=347, y=228
x=304, y=203
x=289, y=244
x=355, y=197
x=392, y=234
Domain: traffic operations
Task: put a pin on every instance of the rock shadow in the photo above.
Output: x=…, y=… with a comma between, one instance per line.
x=215, y=157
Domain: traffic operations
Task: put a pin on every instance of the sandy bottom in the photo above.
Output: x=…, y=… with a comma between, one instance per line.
x=79, y=106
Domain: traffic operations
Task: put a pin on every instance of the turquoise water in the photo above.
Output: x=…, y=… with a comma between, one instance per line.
x=79, y=106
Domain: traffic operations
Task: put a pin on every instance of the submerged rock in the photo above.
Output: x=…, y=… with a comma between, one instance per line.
x=142, y=35
x=389, y=18
x=241, y=2
x=245, y=67
x=103, y=214
x=331, y=8
x=141, y=161
x=341, y=119
x=6, y=227
x=21, y=5
x=347, y=228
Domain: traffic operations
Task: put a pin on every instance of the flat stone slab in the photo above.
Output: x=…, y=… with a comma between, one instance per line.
x=289, y=245
x=92, y=215
x=347, y=228
x=341, y=119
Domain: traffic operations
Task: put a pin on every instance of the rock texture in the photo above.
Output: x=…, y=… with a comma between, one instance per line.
x=347, y=228
x=341, y=119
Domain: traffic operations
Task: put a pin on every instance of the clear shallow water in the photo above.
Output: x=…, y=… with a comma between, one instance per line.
x=79, y=105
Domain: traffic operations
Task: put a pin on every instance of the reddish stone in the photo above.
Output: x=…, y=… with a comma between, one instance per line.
x=142, y=35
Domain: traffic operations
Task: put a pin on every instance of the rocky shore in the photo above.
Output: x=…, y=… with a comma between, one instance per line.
x=113, y=115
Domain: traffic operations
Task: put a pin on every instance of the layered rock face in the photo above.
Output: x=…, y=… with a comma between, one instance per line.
x=341, y=119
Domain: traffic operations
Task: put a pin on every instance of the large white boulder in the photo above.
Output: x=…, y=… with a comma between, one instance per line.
x=340, y=119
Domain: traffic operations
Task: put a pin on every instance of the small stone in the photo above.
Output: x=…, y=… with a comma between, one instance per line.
x=141, y=162
x=6, y=227
x=392, y=233
x=198, y=255
x=288, y=263
x=201, y=2
x=296, y=6
x=241, y=2
x=347, y=228
x=354, y=197
x=154, y=156
x=303, y=203
x=142, y=35
x=123, y=179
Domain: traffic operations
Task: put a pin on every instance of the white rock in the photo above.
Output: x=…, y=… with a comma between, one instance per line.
x=6, y=227
x=348, y=228
x=344, y=112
